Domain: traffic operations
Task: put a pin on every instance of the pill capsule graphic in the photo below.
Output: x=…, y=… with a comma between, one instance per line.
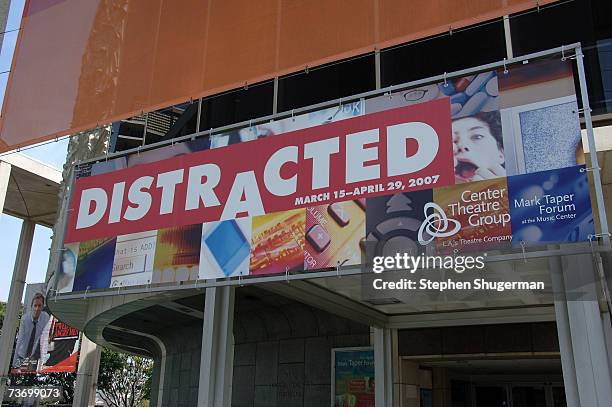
x=474, y=104
x=337, y=212
x=478, y=83
x=491, y=87
x=318, y=237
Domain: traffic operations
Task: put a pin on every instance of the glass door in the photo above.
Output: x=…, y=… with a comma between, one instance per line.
x=490, y=396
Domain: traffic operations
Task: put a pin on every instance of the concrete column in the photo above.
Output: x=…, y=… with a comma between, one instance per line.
x=441, y=387
x=580, y=324
x=409, y=388
x=396, y=369
x=14, y=300
x=87, y=374
x=563, y=332
x=383, y=370
x=216, y=363
x=5, y=175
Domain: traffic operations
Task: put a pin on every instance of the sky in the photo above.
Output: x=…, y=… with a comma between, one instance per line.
x=53, y=154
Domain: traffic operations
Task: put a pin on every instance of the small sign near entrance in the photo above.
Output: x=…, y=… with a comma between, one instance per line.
x=353, y=377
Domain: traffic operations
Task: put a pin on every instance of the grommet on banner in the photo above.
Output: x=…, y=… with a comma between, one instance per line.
x=598, y=235
x=445, y=81
x=563, y=53
x=581, y=111
x=523, y=250
x=505, y=67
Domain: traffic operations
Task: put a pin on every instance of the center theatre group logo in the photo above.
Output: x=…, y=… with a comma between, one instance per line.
x=436, y=224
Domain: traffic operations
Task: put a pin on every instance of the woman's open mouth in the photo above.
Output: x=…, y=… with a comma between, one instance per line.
x=465, y=169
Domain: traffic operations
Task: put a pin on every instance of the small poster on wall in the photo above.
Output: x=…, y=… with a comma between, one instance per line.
x=353, y=377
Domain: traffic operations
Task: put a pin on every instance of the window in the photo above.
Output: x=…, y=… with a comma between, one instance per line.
x=328, y=82
x=465, y=48
x=562, y=23
x=236, y=106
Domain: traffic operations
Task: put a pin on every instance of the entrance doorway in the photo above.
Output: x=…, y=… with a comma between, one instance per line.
x=513, y=394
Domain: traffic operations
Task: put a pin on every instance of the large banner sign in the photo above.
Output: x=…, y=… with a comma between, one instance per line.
x=400, y=149
x=483, y=162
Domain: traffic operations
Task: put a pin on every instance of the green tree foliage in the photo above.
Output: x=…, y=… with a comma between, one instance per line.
x=2, y=312
x=124, y=380
x=63, y=380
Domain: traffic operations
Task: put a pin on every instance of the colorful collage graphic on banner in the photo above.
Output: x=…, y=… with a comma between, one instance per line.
x=508, y=171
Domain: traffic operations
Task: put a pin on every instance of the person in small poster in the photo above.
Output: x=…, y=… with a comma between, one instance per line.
x=27, y=349
x=478, y=147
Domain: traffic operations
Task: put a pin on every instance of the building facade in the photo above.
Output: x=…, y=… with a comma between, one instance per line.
x=276, y=338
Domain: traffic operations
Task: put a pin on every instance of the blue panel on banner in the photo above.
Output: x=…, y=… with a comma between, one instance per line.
x=551, y=206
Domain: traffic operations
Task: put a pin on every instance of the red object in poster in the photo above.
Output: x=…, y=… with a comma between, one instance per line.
x=404, y=149
x=67, y=365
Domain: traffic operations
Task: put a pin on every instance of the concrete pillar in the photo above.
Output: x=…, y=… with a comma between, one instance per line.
x=580, y=325
x=563, y=332
x=87, y=374
x=14, y=300
x=441, y=387
x=409, y=387
x=383, y=371
x=396, y=369
x=216, y=363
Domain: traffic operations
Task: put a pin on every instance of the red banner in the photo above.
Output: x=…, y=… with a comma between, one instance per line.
x=404, y=149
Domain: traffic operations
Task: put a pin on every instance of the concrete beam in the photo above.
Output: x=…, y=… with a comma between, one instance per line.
x=473, y=317
x=33, y=166
x=318, y=297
